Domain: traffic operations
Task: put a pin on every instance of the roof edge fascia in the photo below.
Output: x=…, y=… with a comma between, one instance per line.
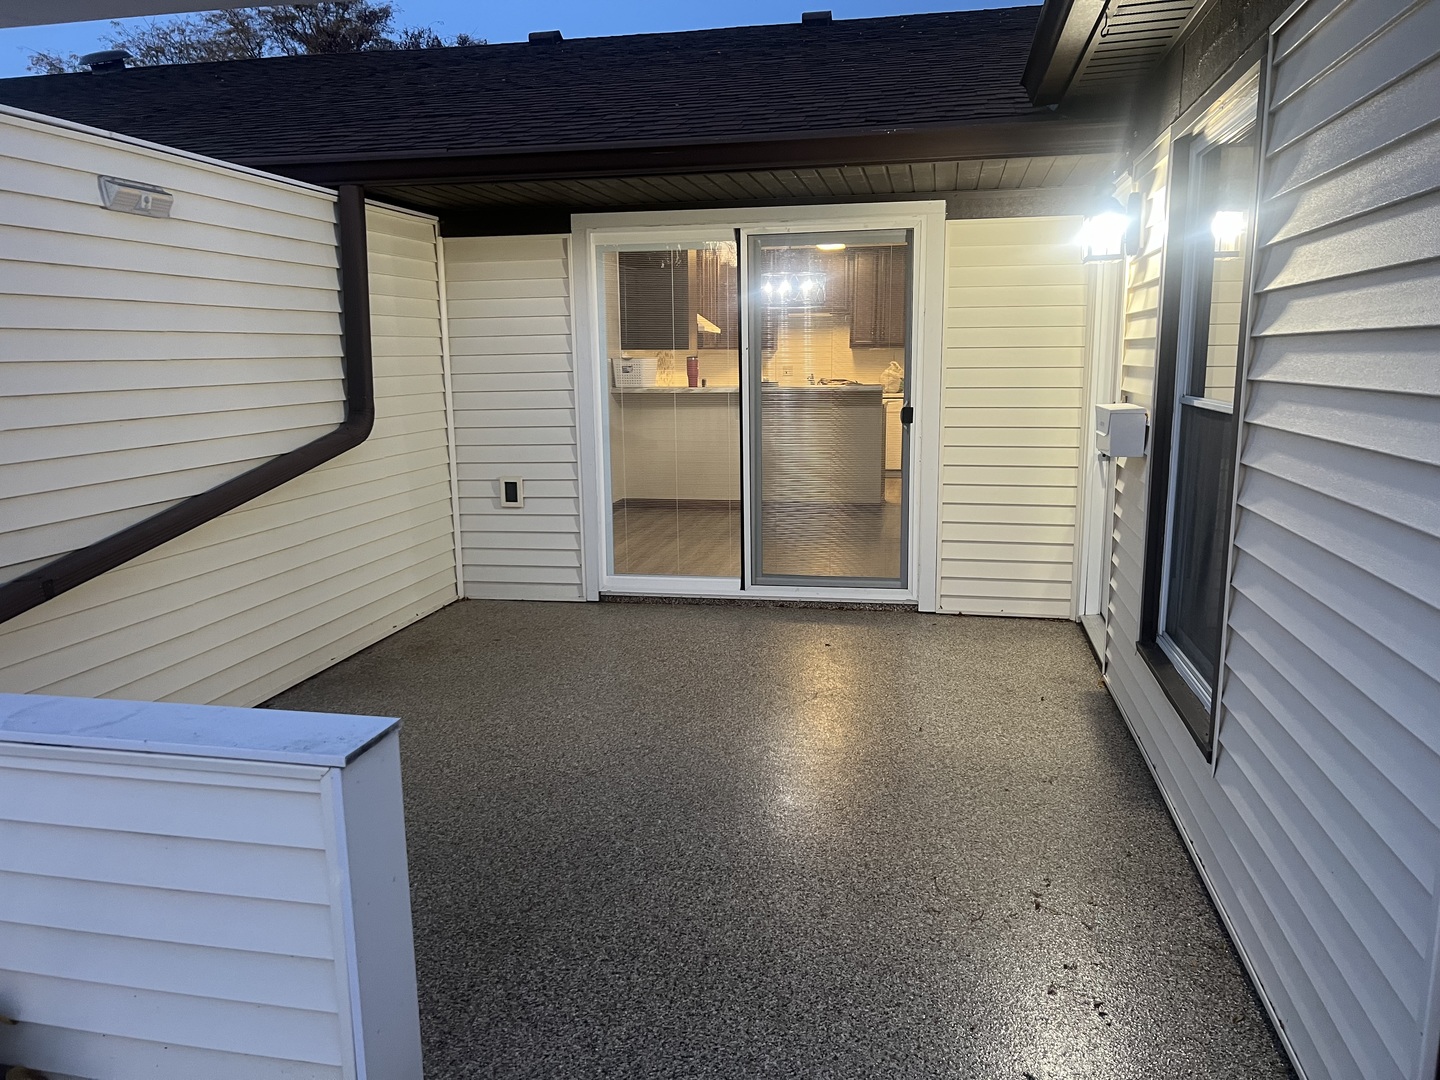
x=1041, y=136
x=1061, y=38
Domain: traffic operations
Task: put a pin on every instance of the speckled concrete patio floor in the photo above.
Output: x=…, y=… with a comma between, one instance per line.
x=700, y=841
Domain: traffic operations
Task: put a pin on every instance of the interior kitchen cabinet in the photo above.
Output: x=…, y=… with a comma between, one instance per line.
x=717, y=287
x=877, y=286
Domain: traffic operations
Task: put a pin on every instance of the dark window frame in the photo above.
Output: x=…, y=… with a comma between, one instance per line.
x=1200, y=720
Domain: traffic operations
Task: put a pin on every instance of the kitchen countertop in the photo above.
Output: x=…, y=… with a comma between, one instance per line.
x=674, y=389
x=873, y=388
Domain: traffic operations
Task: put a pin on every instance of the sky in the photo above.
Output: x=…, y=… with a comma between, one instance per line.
x=514, y=21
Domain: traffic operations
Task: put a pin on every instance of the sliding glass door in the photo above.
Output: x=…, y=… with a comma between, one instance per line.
x=828, y=318
x=784, y=464
x=670, y=329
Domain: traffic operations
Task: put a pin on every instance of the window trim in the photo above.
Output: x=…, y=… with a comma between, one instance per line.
x=1184, y=382
x=1235, y=113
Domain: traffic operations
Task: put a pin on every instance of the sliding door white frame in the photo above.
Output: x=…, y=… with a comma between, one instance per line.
x=925, y=219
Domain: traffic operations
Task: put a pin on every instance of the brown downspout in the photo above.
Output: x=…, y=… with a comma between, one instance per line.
x=78, y=567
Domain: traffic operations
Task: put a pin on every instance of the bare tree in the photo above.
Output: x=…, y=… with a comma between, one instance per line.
x=333, y=26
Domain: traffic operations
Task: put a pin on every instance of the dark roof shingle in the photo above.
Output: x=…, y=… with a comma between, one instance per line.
x=743, y=83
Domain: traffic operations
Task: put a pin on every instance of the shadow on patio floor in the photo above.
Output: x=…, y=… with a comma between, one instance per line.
x=701, y=841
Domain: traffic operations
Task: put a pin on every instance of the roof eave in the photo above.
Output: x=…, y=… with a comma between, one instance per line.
x=1061, y=38
x=1034, y=137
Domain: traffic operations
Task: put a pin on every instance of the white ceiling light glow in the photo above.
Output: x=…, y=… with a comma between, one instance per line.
x=793, y=288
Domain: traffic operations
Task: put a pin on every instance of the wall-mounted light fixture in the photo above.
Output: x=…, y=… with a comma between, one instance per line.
x=787, y=288
x=134, y=197
x=1110, y=231
x=1102, y=235
x=1228, y=228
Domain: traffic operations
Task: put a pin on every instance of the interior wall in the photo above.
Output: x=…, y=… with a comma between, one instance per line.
x=267, y=595
x=512, y=368
x=675, y=447
x=801, y=352
x=1015, y=349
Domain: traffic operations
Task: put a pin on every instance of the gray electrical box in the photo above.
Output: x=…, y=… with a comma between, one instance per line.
x=1120, y=430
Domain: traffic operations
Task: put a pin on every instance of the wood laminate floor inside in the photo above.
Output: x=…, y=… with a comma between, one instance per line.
x=814, y=541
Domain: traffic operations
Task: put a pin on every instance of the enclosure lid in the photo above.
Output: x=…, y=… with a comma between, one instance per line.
x=213, y=731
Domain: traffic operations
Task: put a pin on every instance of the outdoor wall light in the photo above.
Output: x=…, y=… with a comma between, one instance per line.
x=1228, y=227
x=784, y=288
x=1109, y=231
x=134, y=197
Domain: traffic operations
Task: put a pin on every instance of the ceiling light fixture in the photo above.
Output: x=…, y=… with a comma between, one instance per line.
x=793, y=288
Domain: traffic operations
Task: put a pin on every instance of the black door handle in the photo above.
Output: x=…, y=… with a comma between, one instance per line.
x=907, y=414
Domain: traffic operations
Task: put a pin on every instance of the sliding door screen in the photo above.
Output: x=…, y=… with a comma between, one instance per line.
x=829, y=318
x=669, y=329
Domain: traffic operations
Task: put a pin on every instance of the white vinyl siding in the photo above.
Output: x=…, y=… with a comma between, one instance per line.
x=1319, y=830
x=147, y=360
x=514, y=389
x=153, y=912
x=1210, y=823
x=1329, y=736
x=255, y=601
x=1222, y=337
x=189, y=911
x=1014, y=367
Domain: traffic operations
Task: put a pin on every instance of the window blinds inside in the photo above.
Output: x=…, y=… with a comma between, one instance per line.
x=670, y=319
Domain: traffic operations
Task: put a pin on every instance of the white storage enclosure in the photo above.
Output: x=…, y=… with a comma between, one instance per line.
x=195, y=891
